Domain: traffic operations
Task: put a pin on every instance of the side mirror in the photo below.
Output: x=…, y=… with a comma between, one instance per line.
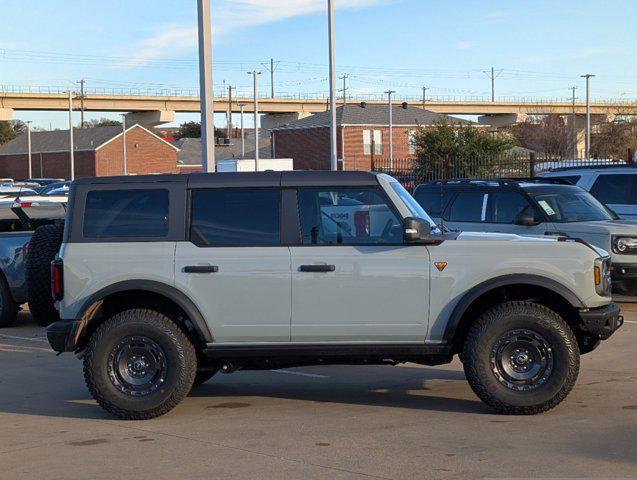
x=417, y=230
x=526, y=220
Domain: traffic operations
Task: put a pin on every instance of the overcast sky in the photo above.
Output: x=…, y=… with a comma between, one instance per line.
x=539, y=48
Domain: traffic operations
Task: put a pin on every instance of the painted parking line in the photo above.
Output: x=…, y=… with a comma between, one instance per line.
x=29, y=339
x=630, y=321
x=300, y=374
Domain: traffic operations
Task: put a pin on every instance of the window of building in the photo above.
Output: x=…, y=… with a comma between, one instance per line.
x=126, y=213
x=347, y=216
x=377, y=137
x=235, y=216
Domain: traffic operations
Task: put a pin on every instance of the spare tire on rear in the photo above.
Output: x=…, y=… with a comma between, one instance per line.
x=44, y=245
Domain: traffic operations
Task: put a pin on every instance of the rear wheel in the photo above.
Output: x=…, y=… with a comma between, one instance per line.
x=44, y=245
x=8, y=307
x=139, y=364
x=521, y=358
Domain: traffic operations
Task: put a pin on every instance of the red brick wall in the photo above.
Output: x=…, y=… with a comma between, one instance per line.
x=355, y=159
x=310, y=148
x=53, y=164
x=145, y=153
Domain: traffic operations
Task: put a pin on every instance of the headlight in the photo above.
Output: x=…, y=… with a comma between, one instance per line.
x=602, y=278
x=625, y=245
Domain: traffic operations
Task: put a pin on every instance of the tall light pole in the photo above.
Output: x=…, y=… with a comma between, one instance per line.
x=205, y=87
x=333, y=138
x=243, y=140
x=424, y=96
x=255, y=85
x=391, y=128
x=72, y=147
x=29, y=147
x=588, y=77
x=124, y=141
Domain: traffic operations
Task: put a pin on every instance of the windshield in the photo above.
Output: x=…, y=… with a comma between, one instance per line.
x=412, y=205
x=565, y=207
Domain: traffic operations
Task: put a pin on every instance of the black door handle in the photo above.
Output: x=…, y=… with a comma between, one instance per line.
x=201, y=269
x=317, y=268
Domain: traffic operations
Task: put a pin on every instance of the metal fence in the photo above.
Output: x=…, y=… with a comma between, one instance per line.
x=412, y=172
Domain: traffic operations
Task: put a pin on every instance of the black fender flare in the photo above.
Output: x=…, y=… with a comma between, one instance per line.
x=168, y=291
x=502, y=281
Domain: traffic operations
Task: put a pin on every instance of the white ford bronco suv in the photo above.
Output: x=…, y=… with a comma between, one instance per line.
x=162, y=281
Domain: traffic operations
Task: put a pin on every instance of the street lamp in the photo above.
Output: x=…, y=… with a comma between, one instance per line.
x=588, y=77
x=28, y=122
x=124, y=141
x=391, y=128
x=255, y=74
x=205, y=87
x=71, y=149
x=333, y=140
x=243, y=142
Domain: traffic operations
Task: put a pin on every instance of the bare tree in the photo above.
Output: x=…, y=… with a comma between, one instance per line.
x=549, y=135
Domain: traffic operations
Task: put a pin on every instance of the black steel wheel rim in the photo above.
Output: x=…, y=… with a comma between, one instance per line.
x=522, y=360
x=137, y=366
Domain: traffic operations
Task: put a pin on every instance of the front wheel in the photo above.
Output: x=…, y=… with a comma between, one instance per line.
x=139, y=364
x=521, y=358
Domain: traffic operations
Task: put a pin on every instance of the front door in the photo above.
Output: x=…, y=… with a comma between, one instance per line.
x=353, y=279
x=234, y=266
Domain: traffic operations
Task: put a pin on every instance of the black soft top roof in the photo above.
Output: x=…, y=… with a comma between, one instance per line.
x=244, y=179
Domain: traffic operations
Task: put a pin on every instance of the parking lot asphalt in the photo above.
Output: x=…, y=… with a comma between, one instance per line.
x=334, y=422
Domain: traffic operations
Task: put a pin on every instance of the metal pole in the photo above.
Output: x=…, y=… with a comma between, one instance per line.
x=344, y=78
x=82, y=103
x=29, y=148
x=391, y=127
x=588, y=77
x=424, y=96
x=272, y=77
x=573, y=88
x=72, y=147
x=205, y=87
x=492, y=84
x=243, y=142
x=229, y=127
x=124, y=141
x=333, y=137
x=256, y=118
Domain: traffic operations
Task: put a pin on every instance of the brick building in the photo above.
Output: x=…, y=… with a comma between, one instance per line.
x=98, y=153
x=362, y=131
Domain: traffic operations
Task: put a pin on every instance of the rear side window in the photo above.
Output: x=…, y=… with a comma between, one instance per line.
x=616, y=189
x=433, y=201
x=468, y=207
x=507, y=207
x=126, y=213
x=235, y=217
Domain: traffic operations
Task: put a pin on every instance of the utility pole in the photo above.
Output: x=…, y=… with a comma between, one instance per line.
x=271, y=68
x=29, y=147
x=229, y=125
x=243, y=142
x=588, y=77
x=493, y=74
x=205, y=87
x=573, y=88
x=424, y=96
x=391, y=127
x=72, y=147
x=124, y=141
x=344, y=78
x=255, y=74
x=333, y=138
x=81, y=82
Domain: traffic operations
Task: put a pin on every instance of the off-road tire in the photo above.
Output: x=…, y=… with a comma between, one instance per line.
x=8, y=307
x=180, y=356
x=202, y=377
x=44, y=245
x=513, y=316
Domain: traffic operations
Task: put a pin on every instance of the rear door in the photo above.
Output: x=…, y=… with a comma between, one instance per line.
x=353, y=279
x=234, y=264
x=467, y=211
x=505, y=209
x=618, y=191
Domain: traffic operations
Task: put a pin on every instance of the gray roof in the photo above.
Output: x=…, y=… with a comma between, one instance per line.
x=190, y=149
x=372, y=114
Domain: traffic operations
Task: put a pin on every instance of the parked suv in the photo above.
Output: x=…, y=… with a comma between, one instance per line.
x=536, y=207
x=616, y=187
x=161, y=281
